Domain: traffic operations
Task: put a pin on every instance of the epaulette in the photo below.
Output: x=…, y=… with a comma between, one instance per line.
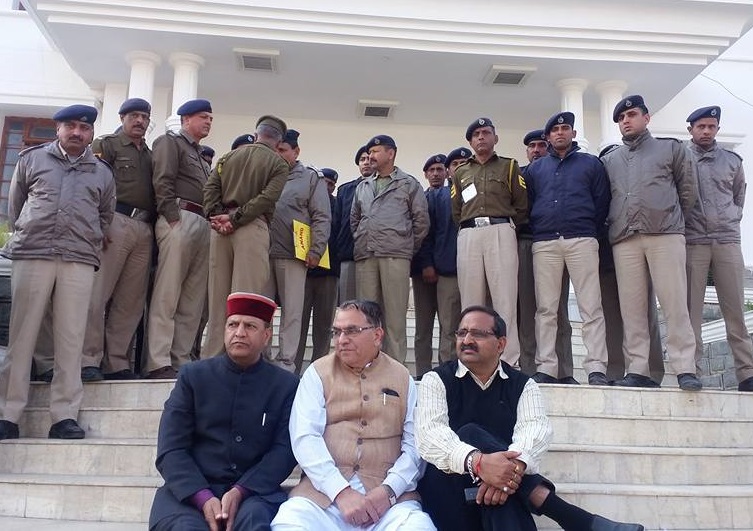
x=172, y=133
x=608, y=149
x=315, y=170
x=32, y=148
x=734, y=153
x=104, y=162
x=668, y=138
x=109, y=135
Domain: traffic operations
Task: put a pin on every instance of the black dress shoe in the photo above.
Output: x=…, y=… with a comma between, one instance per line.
x=544, y=378
x=568, y=380
x=598, y=378
x=66, y=429
x=602, y=524
x=91, y=374
x=636, y=380
x=125, y=374
x=746, y=385
x=689, y=382
x=8, y=430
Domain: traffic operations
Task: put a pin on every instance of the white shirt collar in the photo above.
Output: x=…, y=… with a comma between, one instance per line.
x=462, y=370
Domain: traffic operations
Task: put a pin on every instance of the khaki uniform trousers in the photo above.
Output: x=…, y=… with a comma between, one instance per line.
x=581, y=255
x=441, y=299
x=387, y=281
x=659, y=258
x=318, y=306
x=727, y=267
x=488, y=263
x=289, y=279
x=33, y=282
x=123, y=275
x=180, y=290
x=610, y=304
x=237, y=262
x=527, y=316
x=347, y=283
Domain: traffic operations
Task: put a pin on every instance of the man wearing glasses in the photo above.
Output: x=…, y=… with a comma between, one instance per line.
x=482, y=427
x=351, y=428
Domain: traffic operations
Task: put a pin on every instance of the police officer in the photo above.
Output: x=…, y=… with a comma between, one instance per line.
x=434, y=269
x=239, y=199
x=652, y=185
x=182, y=232
x=60, y=204
x=124, y=272
x=712, y=236
x=536, y=147
x=243, y=140
x=321, y=289
x=568, y=196
x=207, y=154
x=305, y=199
x=344, y=243
x=490, y=200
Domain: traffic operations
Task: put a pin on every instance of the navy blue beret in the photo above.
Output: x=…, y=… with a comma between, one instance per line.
x=381, y=140
x=242, y=140
x=713, y=111
x=330, y=174
x=273, y=122
x=361, y=151
x=135, y=105
x=291, y=138
x=194, y=106
x=559, y=119
x=206, y=151
x=480, y=122
x=77, y=113
x=457, y=153
x=536, y=134
x=435, y=159
x=628, y=103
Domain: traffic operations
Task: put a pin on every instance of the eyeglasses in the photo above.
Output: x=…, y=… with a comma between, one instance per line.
x=351, y=331
x=474, y=333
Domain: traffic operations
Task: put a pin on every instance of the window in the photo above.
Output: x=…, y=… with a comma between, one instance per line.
x=19, y=134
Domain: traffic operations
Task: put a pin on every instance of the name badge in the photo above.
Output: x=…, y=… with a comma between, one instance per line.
x=469, y=193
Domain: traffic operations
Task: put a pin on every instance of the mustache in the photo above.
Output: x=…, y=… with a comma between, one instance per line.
x=469, y=346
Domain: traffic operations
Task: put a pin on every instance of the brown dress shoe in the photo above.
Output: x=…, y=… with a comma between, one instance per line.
x=163, y=373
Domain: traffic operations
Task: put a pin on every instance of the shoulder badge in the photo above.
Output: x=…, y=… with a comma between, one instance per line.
x=32, y=148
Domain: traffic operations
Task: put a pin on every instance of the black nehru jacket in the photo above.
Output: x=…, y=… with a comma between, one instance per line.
x=495, y=408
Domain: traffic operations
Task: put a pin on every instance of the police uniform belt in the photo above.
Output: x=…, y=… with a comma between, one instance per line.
x=484, y=221
x=196, y=208
x=139, y=214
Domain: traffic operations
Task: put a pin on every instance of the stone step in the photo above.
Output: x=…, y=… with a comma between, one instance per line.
x=10, y=523
x=663, y=507
x=105, y=498
x=572, y=463
x=578, y=463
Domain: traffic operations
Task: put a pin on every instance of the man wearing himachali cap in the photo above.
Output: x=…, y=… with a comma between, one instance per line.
x=223, y=446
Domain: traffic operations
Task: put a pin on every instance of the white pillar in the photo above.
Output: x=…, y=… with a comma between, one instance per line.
x=112, y=97
x=143, y=65
x=572, y=100
x=611, y=93
x=185, y=83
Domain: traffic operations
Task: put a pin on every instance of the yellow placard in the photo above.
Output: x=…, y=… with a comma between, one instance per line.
x=302, y=243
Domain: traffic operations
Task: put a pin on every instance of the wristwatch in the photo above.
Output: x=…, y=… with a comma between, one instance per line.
x=390, y=494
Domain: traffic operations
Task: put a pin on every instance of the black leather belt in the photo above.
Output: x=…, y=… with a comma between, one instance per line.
x=138, y=214
x=483, y=222
x=196, y=208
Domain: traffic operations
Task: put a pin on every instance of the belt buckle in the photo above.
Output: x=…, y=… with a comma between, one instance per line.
x=482, y=221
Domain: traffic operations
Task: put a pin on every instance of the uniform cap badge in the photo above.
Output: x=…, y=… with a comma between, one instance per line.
x=560, y=120
x=628, y=103
x=481, y=121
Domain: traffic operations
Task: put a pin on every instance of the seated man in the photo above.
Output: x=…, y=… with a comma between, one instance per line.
x=352, y=433
x=224, y=446
x=466, y=445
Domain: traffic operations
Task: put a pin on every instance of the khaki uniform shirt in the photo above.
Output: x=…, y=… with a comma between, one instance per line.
x=131, y=167
x=177, y=172
x=500, y=190
x=250, y=177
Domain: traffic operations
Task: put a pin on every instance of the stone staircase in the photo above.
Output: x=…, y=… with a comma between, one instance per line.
x=667, y=458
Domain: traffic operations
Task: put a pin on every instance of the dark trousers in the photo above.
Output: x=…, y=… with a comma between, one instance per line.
x=254, y=514
x=444, y=499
